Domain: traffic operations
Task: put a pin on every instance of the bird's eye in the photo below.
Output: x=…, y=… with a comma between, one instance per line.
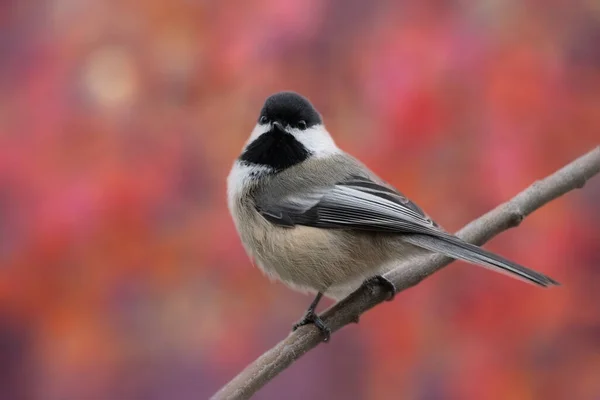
x=263, y=120
x=302, y=125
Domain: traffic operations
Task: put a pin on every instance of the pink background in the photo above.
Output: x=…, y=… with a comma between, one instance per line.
x=121, y=275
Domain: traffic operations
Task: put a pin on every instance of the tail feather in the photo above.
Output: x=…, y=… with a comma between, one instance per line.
x=458, y=249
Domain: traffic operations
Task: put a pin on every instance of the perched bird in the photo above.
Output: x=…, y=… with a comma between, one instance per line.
x=318, y=220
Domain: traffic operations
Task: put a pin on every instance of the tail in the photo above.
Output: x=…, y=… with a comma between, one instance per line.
x=454, y=247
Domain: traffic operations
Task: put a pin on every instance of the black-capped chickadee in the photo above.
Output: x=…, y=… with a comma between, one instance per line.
x=317, y=219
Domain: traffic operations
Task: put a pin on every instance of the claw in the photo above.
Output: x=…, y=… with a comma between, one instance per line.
x=311, y=318
x=383, y=282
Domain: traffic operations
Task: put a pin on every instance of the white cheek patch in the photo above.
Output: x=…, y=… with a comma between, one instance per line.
x=316, y=140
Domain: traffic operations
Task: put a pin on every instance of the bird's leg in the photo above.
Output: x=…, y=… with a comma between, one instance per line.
x=383, y=282
x=310, y=317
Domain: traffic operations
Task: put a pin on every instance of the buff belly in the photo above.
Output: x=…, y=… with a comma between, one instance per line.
x=314, y=260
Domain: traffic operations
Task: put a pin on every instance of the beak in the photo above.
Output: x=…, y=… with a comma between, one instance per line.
x=279, y=126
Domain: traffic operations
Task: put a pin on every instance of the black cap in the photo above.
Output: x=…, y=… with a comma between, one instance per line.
x=289, y=108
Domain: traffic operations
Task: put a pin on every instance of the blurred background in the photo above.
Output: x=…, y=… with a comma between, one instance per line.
x=121, y=275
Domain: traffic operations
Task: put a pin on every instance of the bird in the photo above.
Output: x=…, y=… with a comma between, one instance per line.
x=318, y=220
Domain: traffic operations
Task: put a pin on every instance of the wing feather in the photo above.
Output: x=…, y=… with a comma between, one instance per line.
x=358, y=203
x=362, y=204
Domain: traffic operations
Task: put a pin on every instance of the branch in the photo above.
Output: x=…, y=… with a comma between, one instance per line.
x=503, y=217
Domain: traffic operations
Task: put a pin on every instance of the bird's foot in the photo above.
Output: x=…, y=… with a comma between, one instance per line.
x=383, y=282
x=311, y=318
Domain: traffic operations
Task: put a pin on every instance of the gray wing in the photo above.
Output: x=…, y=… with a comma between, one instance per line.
x=359, y=203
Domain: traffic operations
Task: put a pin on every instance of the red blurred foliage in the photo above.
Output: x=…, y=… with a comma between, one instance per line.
x=121, y=276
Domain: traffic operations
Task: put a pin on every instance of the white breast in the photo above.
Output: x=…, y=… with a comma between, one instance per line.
x=240, y=178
